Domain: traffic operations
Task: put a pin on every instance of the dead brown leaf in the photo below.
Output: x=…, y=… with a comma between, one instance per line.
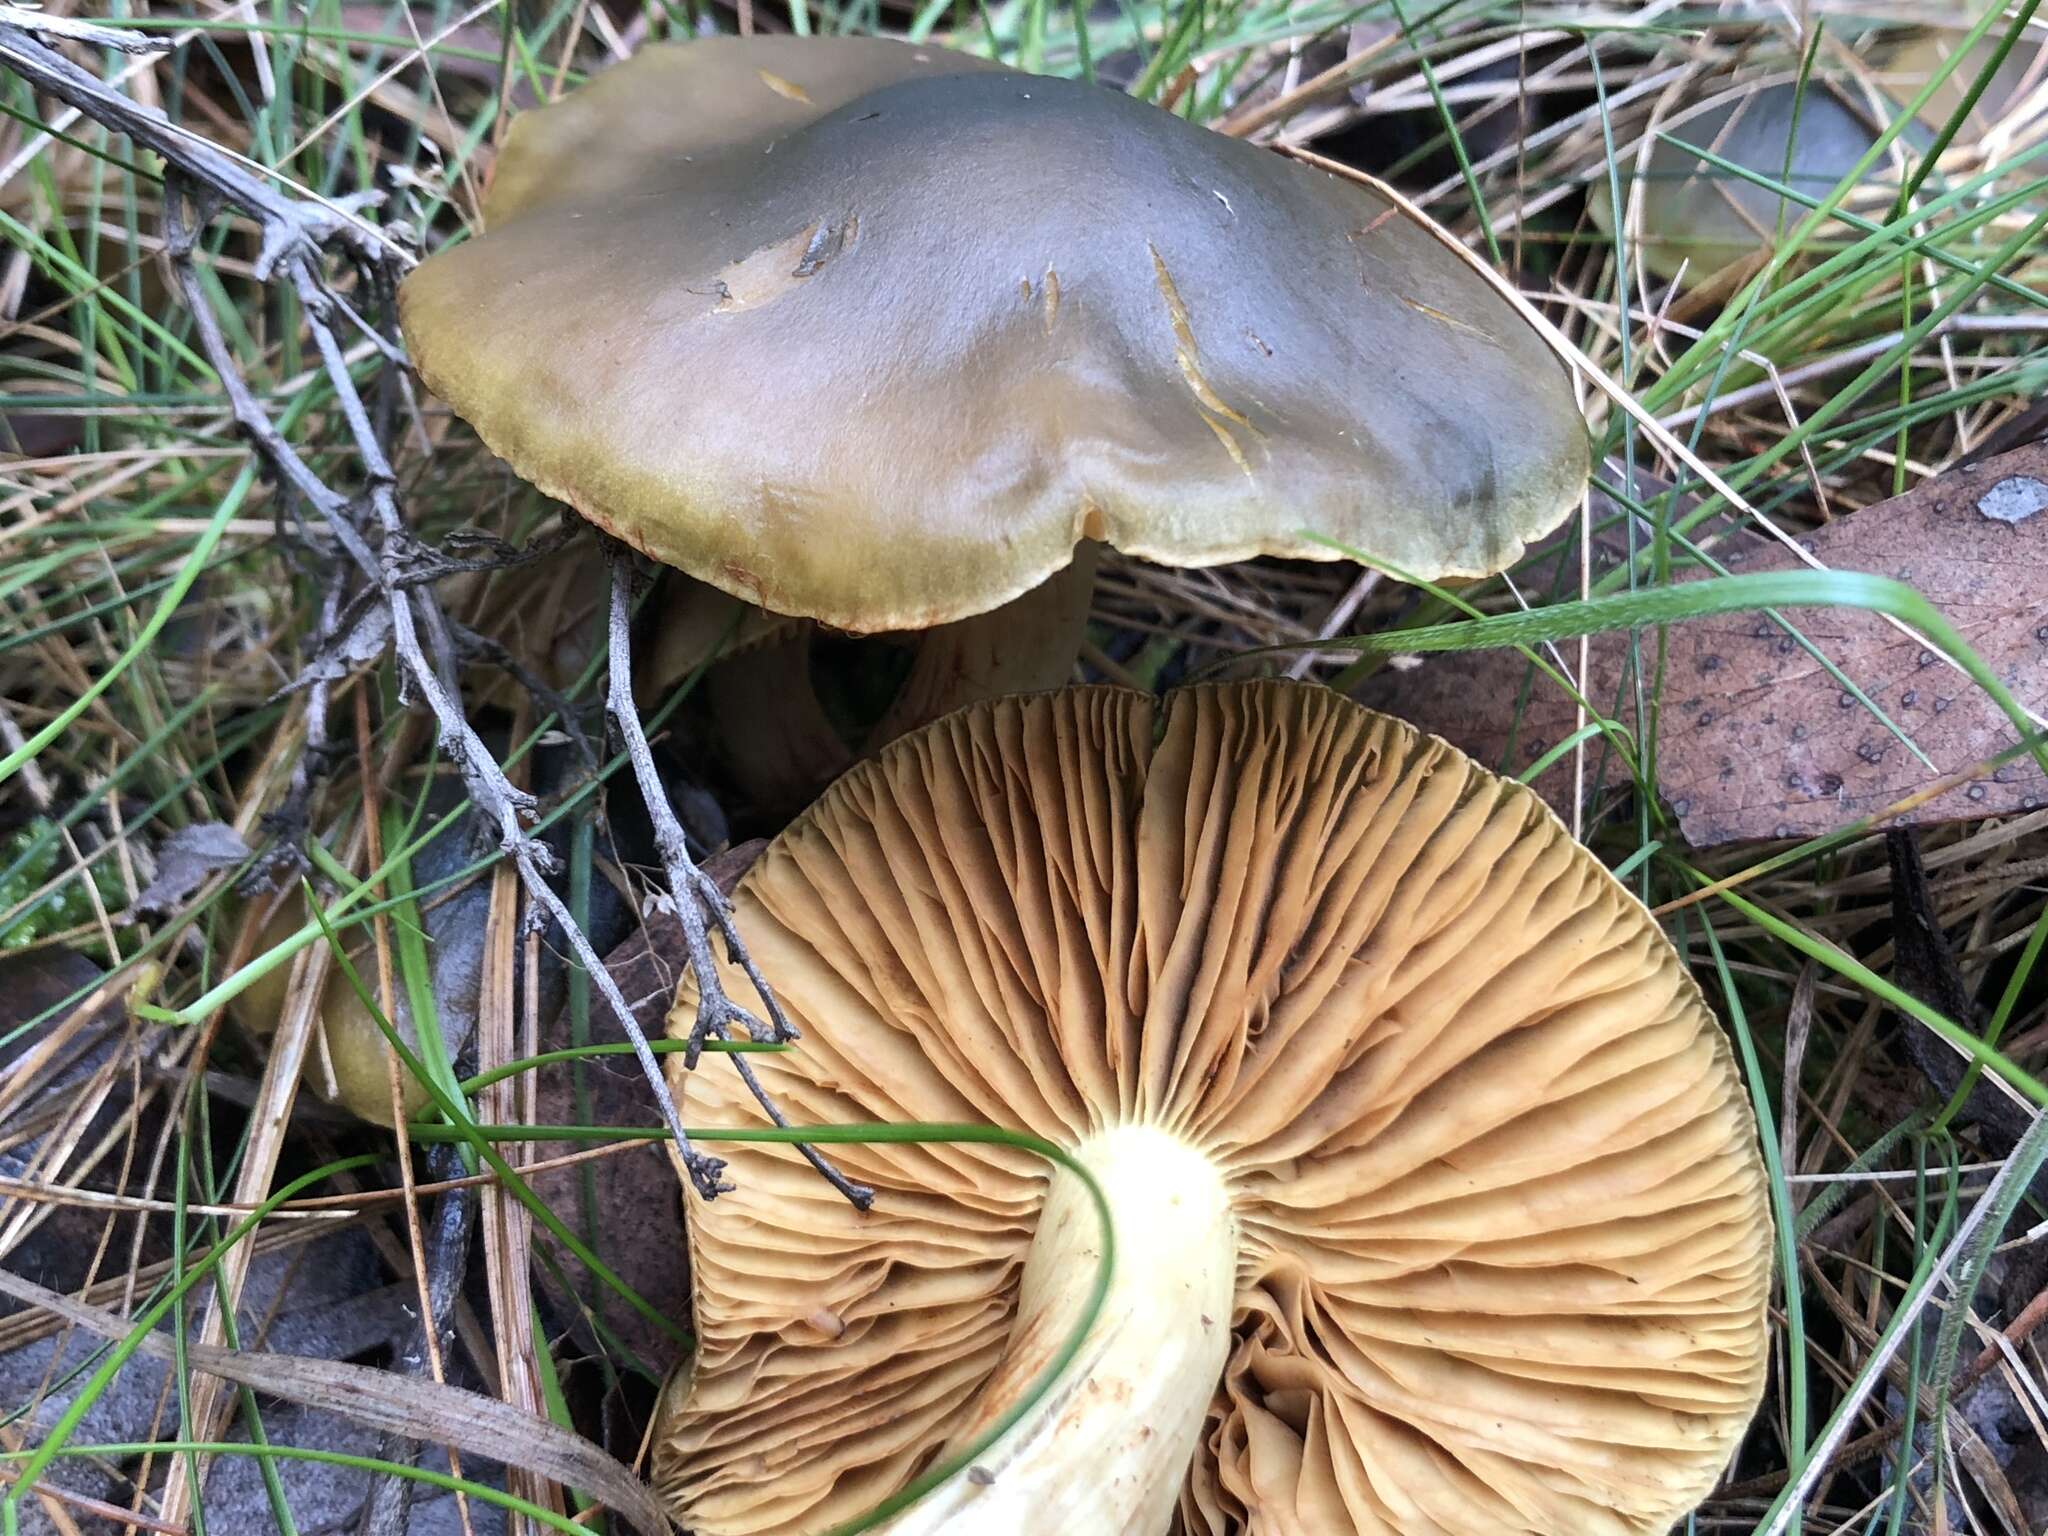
x=1756, y=740
x=185, y=859
x=634, y=1215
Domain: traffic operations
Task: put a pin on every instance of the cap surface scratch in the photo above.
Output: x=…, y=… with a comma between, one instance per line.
x=789, y=90
x=1186, y=354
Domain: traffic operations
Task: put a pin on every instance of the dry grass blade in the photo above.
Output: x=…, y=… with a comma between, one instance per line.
x=469, y=1421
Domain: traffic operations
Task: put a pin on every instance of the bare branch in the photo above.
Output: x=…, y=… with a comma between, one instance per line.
x=288, y=223
x=120, y=39
x=696, y=893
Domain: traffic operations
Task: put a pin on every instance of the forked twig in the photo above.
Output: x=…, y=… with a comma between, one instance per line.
x=696, y=893
x=295, y=237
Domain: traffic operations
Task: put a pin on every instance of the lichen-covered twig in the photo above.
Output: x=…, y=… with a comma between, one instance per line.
x=696, y=893
x=383, y=562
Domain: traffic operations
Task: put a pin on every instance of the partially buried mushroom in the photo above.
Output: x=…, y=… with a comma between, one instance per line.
x=1436, y=1198
x=348, y=1061
x=1697, y=217
x=889, y=337
x=1804, y=135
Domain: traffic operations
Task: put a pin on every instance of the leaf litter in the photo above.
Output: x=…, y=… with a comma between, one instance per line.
x=1755, y=738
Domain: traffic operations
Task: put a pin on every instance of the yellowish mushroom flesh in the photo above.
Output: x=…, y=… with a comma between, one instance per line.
x=1438, y=1201
x=348, y=1061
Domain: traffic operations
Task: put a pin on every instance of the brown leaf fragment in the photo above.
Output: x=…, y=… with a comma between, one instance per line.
x=629, y=1207
x=1755, y=738
x=185, y=859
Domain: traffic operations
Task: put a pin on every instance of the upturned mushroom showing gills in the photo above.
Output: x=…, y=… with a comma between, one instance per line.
x=1435, y=1194
x=882, y=335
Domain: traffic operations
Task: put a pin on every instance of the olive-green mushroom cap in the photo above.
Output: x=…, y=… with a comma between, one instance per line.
x=874, y=334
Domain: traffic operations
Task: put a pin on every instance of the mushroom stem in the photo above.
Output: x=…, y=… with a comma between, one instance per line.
x=772, y=728
x=1107, y=1445
x=1027, y=645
